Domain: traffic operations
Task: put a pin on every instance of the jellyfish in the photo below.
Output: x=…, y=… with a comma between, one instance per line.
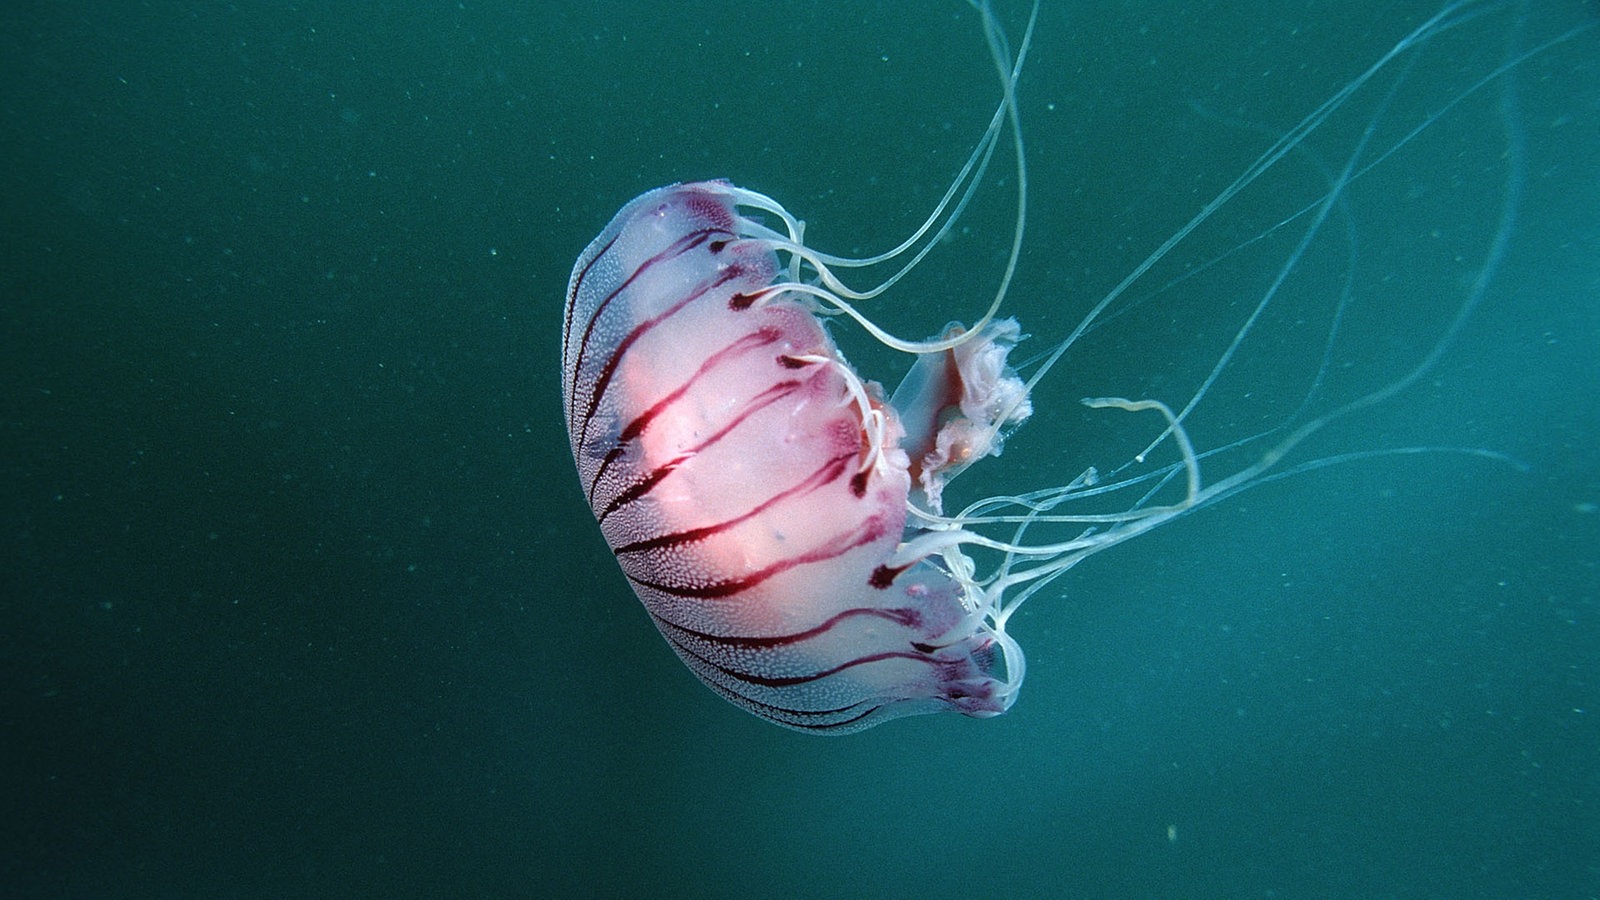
x=782, y=517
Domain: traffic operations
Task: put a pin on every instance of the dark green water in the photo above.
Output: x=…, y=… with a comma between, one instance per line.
x=299, y=597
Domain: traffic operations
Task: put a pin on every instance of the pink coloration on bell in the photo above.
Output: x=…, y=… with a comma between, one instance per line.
x=755, y=489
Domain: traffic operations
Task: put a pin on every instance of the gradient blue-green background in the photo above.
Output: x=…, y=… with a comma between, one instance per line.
x=298, y=595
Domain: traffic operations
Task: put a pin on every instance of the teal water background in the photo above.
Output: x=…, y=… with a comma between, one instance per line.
x=299, y=595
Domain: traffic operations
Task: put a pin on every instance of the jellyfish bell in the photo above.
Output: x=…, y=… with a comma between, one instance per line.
x=782, y=517
x=757, y=491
